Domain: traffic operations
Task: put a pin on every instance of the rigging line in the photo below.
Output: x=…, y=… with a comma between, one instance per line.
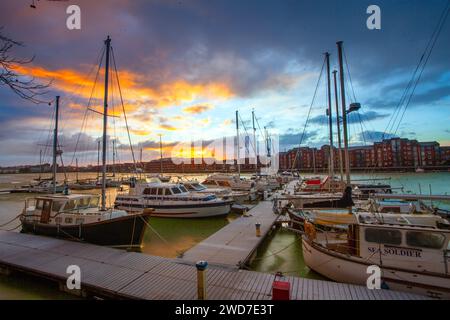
x=88, y=105
x=308, y=116
x=434, y=36
x=424, y=65
x=349, y=76
x=72, y=97
x=123, y=108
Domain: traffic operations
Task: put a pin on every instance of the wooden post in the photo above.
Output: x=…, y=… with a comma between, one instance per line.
x=201, y=279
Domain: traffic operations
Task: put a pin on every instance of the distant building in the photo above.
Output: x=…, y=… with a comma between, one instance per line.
x=393, y=153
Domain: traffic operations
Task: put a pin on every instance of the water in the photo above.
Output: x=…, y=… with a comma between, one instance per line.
x=171, y=237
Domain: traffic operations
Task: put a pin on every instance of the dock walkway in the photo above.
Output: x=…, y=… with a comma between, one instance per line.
x=113, y=273
x=235, y=244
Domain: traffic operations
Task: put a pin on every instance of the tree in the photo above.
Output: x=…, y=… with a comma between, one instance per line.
x=24, y=86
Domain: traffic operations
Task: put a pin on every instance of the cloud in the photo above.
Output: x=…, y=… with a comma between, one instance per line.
x=372, y=136
x=351, y=118
x=197, y=109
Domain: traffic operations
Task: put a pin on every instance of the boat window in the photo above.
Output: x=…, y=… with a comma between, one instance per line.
x=58, y=220
x=68, y=220
x=153, y=191
x=70, y=205
x=223, y=183
x=146, y=191
x=423, y=239
x=160, y=192
x=83, y=202
x=190, y=187
x=79, y=221
x=94, y=201
x=183, y=189
x=57, y=205
x=175, y=190
x=39, y=204
x=384, y=236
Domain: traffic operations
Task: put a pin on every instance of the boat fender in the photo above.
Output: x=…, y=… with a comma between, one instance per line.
x=310, y=230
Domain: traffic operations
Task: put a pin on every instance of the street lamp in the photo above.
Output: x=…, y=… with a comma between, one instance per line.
x=355, y=106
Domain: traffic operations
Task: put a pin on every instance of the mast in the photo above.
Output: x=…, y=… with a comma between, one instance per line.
x=55, y=144
x=237, y=143
x=344, y=113
x=98, y=160
x=254, y=143
x=160, y=155
x=105, y=122
x=338, y=123
x=40, y=164
x=330, y=118
x=76, y=164
x=114, y=157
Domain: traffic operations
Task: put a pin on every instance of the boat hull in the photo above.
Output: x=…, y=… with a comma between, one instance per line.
x=341, y=268
x=204, y=210
x=125, y=231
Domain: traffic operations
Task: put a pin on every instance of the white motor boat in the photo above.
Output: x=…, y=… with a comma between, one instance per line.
x=46, y=186
x=172, y=200
x=266, y=183
x=411, y=250
x=222, y=192
x=232, y=182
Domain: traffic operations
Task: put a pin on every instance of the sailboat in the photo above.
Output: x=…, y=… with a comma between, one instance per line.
x=85, y=217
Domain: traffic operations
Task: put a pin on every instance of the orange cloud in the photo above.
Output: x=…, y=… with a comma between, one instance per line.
x=197, y=109
x=167, y=127
x=134, y=91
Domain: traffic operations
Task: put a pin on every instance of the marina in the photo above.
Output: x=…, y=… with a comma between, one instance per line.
x=186, y=152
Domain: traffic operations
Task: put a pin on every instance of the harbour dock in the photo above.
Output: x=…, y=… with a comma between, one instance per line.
x=117, y=274
x=236, y=244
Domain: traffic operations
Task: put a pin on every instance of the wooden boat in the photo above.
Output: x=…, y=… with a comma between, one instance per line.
x=77, y=217
x=412, y=251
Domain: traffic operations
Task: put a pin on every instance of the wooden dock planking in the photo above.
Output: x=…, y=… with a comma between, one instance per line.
x=232, y=245
x=119, y=274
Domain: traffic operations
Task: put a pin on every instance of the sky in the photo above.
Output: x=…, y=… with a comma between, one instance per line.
x=185, y=67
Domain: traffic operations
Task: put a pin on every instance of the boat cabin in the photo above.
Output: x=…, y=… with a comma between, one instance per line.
x=64, y=209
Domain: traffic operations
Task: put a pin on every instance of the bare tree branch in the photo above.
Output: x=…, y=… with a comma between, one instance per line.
x=25, y=87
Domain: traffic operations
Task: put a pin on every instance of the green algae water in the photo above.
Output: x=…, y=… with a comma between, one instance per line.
x=281, y=251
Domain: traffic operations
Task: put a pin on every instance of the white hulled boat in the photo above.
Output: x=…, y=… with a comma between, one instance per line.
x=232, y=182
x=172, y=201
x=412, y=250
x=221, y=192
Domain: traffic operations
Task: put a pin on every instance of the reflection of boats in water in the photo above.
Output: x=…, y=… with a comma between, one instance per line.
x=78, y=217
x=172, y=201
x=412, y=251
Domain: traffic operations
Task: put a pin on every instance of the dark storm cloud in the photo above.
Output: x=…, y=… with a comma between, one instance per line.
x=245, y=43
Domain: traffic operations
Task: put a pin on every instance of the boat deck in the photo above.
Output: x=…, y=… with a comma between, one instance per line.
x=113, y=273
